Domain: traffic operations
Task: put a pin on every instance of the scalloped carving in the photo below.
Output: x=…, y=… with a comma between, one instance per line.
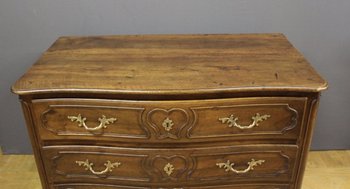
x=64, y=128
x=291, y=124
x=179, y=119
x=222, y=156
x=293, y=120
x=179, y=164
x=86, y=174
x=94, y=186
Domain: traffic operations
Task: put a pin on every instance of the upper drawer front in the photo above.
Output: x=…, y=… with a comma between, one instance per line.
x=256, y=117
x=92, y=119
x=170, y=121
x=168, y=167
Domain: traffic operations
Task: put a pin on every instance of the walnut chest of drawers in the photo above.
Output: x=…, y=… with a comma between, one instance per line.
x=171, y=112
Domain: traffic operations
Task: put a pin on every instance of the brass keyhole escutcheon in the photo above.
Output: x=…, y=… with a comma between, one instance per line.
x=168, y=124
x=168, y=169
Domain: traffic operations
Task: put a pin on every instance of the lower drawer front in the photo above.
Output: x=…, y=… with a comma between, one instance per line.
x=243, y=186
x=94, y=186
x=169, y=167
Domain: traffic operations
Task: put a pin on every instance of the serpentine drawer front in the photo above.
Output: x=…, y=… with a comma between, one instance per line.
x=171, y=112
x=105, y=186
x=170, y=166
x=170, y=121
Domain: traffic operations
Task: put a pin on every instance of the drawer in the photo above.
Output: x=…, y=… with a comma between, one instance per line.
x=245, y=186
x=167, y=167
x=248, y=118
x=170, y=121
x=88, y=119
x=97, y=186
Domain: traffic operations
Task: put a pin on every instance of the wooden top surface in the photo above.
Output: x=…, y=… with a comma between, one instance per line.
x=170, y=64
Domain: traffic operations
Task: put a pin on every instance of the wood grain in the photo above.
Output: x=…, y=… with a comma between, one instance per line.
x=170, y=64
x=181, y=87
x=194, y=120
x=193, y=166
x=324, y=170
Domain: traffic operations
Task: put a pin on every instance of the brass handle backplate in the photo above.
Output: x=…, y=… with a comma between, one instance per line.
x=88, y=166
x=232, y=121
x=81, y=120
x=228, y=166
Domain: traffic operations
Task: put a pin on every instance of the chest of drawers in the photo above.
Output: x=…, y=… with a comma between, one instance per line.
x=171, y=112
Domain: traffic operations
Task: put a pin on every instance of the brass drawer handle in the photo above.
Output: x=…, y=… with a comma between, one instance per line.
x=103, y=122
x=88, y=166
x=232, y=121
x=228, y=166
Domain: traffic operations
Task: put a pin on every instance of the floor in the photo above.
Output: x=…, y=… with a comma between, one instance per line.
x=325, y=170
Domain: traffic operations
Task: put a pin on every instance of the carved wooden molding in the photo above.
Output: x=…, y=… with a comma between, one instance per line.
x=65, y=132
x=176, y=128
x=289, y=126
x=177, y=171
x=285, y=157
x=92, y=186
x=60, y=154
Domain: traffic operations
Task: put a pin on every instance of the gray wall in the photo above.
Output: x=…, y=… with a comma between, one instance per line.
x=320, y=29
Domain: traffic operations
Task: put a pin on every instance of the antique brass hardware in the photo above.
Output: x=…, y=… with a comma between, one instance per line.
x=228, y=166
x=168, y=168
x=232, y=121
x=88, y=166
x=168, y=124
x=81, y=120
